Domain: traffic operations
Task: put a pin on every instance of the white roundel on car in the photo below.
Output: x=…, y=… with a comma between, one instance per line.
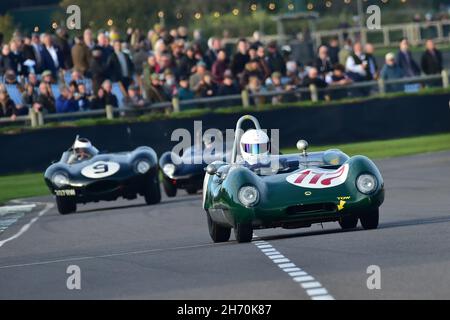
x=100, y=169
x=315, y=178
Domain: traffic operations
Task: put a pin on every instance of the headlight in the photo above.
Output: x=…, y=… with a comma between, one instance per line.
x=248, y=196
x=143, y=166
x=60, y=180
x=169, y=169
x=366, y=183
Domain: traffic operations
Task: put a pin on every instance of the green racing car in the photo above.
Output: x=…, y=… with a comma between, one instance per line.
x=257, y=190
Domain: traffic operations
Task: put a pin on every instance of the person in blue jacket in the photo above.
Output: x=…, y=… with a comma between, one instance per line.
x=66, y=102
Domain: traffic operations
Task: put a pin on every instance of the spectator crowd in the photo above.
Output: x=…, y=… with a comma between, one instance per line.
x=54, y=73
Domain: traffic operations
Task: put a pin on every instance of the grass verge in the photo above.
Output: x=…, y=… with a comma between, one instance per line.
x=29, y=185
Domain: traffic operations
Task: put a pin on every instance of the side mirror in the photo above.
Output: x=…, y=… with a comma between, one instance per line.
x=211, y=169
x=302, y=146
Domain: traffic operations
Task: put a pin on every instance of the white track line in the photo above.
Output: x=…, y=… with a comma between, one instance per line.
x=25, y=228
x=314, y=289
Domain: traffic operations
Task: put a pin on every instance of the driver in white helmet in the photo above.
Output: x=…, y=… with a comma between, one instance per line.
x=82, y=150
x=255, y=148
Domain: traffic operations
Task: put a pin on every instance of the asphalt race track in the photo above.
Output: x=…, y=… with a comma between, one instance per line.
x=126, y=250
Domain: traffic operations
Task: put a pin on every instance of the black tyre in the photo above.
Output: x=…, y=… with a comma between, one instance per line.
x=348, y=222
x=169, y=188
x=217, y=232
x=152, y=192
x=370, y=219
x=192, y=191
x=66, y=205
x=243, y=232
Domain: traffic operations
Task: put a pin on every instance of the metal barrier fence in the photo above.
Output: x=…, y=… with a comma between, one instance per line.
x=247, y=99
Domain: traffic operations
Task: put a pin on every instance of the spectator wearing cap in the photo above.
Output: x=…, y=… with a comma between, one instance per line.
x=11, y=77
x=7, y=105
x=196, y=78
x=220, y=66
x=338, y=78
x=120, y=67
x=240, y=58
x=156, y=92
x=392, y=71
x=133, y=99
x=65, y=102
x=52, y=58
x=323, y=61
x=275, y=59
x=184, y=92
x=406, y=61
x=81, y=56
x=431, y=59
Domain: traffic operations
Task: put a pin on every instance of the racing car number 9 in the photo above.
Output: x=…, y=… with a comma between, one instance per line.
x=100, y=169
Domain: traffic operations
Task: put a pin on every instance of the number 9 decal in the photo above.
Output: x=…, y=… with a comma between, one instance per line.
x=100, y=169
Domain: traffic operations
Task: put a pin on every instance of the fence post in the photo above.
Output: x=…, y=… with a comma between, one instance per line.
x=176, y=104
x=444, y=74
x=245, y=98
x=109, y=112
x=314, y=93
x=33, y=117
x=381, y=86
x=40, y=118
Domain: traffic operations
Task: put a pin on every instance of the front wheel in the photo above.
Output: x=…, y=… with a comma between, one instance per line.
x=370, y=219
x=66, y=205
x=217, y=232
x=169, y=188
x=243, y=232
x=152, y=192
x=348, y=222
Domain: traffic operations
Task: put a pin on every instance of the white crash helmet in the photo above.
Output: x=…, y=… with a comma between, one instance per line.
x=82, y=143
x=83, y=146
x=254, y=146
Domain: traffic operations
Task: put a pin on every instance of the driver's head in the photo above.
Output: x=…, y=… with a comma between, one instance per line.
x=254, y=144
x=82, y=148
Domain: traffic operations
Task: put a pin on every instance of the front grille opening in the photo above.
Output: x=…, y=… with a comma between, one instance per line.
x=311, y=208
x=102, y=186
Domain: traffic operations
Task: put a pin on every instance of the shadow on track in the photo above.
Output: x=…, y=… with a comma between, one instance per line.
x=139, y=205
x=387, y=225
